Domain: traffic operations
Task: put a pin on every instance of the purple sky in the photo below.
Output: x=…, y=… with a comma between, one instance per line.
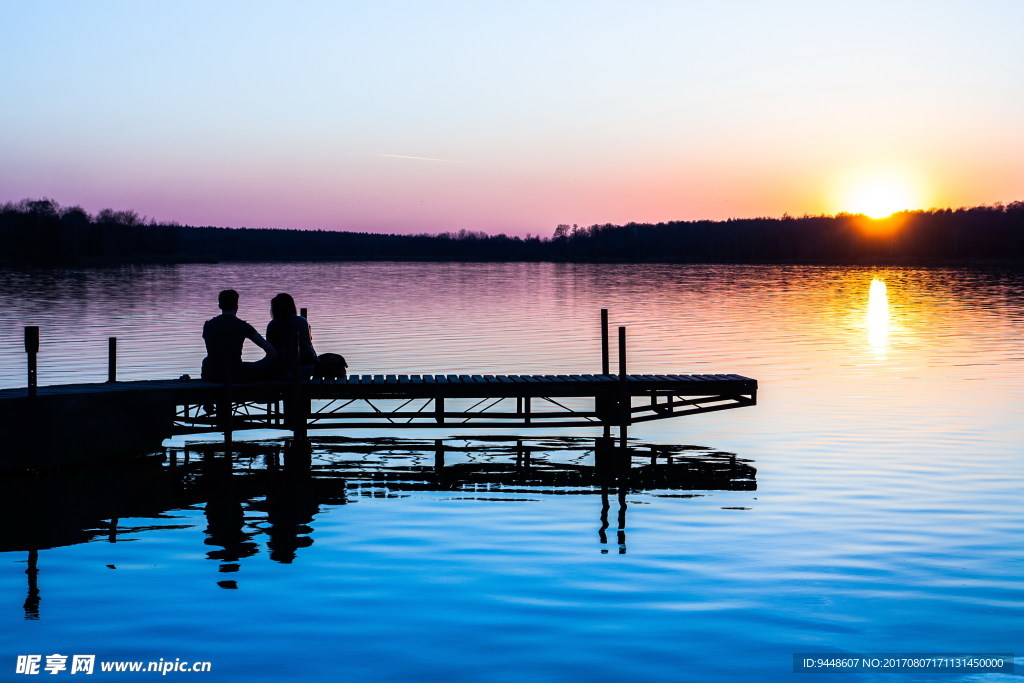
x=509, y=117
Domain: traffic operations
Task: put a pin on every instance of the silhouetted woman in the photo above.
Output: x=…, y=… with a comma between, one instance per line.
x=290, y=335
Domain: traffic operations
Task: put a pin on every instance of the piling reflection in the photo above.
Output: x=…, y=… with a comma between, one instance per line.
x=264, y=498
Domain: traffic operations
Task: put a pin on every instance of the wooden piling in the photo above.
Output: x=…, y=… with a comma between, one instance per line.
x=225, y=409
x=605, y=367
x=624, y=401
x=622, y=353
x=226, y=412
x=298, y=458
x=32, y=349
x=112, y=359
x=605, y=457
x=297, y=413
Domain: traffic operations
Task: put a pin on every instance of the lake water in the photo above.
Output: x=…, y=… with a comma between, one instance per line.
x=870, y=503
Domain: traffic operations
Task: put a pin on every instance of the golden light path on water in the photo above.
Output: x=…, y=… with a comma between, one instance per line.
x=878, y=318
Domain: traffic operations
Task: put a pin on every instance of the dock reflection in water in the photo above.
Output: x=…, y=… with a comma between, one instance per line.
x=268, y=494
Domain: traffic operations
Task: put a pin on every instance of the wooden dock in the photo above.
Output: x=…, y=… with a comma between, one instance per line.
x=68, y=421
x=55, y=425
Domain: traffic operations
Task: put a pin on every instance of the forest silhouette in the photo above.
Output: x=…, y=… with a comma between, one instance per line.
x=40, y=232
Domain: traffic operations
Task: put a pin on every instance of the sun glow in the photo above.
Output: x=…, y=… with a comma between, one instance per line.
x=880, y=195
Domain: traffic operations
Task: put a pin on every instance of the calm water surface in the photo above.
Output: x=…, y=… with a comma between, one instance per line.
x=871, y=502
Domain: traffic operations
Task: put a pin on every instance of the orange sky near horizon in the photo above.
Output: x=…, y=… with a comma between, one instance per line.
x=408, y=117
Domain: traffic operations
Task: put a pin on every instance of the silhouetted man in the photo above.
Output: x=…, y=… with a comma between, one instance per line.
x=224, y=336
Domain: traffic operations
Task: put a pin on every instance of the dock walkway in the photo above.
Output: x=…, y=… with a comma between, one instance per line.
x=55, y=425
x=140, y=414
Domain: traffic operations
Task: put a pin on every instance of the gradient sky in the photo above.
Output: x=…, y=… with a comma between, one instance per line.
x=507, y=116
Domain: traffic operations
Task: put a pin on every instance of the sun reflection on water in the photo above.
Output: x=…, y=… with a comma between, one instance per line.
x=878, y=318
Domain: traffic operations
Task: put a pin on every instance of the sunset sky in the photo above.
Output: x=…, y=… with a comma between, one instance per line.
x=509, y=116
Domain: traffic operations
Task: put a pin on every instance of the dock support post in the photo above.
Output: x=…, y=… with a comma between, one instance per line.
x=605, y=367
x=439, y=410
x=298, y=457
x=32, y=349
x=624, y=401
x=604, y=457
x=297, y=413
x=112, y=359
x=224, y=413
x=622, y=353
x=303, y=312
x=611, y=460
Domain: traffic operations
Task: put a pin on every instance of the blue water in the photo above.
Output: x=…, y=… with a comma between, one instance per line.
x=885, y=513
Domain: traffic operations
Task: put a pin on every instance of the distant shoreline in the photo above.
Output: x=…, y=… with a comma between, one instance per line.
x=1011, y=264
x=44, y=234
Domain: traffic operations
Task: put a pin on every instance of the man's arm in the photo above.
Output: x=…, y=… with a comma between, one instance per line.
x=259, y=341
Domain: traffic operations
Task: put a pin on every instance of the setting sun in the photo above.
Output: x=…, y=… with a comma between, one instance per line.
x=880, y=195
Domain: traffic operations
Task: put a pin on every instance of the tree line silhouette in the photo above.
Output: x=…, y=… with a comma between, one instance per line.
x=41, y=232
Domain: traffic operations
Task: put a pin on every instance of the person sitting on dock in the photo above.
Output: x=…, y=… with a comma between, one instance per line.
x=224, y=336
x=291, y=336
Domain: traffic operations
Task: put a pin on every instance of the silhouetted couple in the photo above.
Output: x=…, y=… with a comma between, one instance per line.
x=288, y=345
